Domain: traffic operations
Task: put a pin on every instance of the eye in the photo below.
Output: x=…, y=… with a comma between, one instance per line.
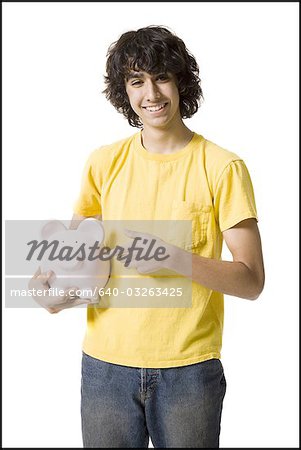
x=163, y=77
x=136, y=83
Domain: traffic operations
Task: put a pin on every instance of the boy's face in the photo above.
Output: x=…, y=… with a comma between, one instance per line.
x=154, y=98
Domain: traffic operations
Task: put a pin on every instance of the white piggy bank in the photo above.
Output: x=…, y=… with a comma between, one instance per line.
x=73, y=255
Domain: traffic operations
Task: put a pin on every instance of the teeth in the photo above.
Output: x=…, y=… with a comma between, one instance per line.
x=155, y=108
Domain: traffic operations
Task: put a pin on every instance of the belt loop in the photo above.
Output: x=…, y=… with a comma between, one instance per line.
x=142, y=379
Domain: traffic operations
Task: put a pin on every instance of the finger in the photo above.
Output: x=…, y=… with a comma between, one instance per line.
x=46, y=276
x=75, y=302
x=72, y=293
x=83, y=301
x=148, y=267
x=143, y=270
x=43, y=279
x=130, y=264
x=131, y=233
x=125, y=255
x=37, y=273
x=137, y=234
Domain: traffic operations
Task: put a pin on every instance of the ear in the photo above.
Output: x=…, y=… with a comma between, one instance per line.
x=52, y=227
x=93, y=227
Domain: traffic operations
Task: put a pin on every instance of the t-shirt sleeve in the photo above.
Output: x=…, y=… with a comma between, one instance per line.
x=89, y=199
x=234, y=198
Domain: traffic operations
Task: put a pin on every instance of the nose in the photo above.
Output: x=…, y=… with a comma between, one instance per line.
x=152, y=91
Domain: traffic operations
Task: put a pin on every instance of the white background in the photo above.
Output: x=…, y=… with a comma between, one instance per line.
x=54, y=115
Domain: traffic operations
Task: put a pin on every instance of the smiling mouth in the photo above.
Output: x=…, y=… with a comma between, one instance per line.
x=155, y=108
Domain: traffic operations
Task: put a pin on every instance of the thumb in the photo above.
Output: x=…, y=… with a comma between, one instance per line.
x=50, y=275
x=82, y=301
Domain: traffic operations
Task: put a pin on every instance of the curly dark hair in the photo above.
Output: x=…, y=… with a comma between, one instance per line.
x=153, y=49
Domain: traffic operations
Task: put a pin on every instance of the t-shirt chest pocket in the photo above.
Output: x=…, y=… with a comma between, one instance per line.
x=193, y=233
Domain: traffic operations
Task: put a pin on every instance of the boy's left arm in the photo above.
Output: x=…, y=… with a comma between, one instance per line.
x=243, y=277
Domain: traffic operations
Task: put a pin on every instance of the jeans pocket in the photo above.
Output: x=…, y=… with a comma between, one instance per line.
x=92, y=370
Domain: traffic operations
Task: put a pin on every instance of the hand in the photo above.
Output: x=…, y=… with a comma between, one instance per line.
x=149, y=253
x=52, y=303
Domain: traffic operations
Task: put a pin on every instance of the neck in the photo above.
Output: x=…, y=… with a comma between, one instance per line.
x=166, y=141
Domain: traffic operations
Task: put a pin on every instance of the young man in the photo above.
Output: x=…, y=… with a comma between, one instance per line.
x=156, y=372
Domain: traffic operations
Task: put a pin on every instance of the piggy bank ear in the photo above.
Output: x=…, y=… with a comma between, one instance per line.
x=93, y=227
x=52, y=227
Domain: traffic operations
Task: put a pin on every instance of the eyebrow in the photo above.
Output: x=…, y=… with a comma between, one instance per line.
x=135, y=75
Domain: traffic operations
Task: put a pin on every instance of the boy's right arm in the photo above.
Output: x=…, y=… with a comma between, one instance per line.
x=40, y=281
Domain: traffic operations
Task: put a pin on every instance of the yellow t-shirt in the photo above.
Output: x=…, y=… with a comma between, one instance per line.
x=203, y=183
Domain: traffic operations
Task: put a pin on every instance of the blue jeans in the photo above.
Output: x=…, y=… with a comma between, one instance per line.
x=121, y=407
